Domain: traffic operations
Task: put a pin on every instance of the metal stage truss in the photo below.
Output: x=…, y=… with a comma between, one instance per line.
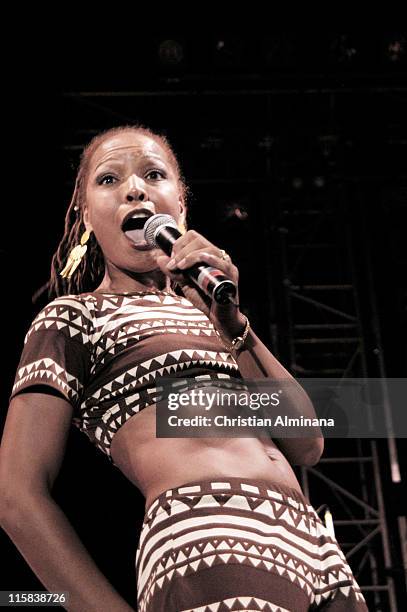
x=321, y=333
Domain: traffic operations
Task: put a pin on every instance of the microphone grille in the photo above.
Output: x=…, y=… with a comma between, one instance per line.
x=153, y=223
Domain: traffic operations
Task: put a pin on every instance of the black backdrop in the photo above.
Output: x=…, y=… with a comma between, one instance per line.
x=248, y=117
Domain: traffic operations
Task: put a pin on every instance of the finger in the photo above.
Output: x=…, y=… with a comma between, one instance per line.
x=197, y=247
x=162, y=261
x=194, y=246
x=211, y=259
x=189, y=241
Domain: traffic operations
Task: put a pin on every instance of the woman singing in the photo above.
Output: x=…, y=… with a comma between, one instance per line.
x=226, y=525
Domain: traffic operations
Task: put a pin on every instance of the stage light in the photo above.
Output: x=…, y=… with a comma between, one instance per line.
x=319, y=182
x=241, y=213
x=170, y=53
x=235, y=210
x=297, y=182
x=396, y=49
x=229, y=52
x=267, y=142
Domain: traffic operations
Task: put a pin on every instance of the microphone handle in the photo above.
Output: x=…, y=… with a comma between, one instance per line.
x=210, y=280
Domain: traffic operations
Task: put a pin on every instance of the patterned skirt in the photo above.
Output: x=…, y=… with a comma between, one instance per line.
x=240, y=544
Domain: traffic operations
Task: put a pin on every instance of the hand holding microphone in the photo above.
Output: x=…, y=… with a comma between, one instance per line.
x=161, y=231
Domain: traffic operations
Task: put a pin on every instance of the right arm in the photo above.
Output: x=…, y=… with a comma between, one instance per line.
x=31, y=454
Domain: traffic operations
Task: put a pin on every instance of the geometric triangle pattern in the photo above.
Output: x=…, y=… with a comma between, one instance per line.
x=239, y=534
x=106, y=353
x=248, y=604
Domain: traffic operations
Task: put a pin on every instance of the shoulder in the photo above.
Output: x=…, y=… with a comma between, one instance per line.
x=69, y=314
x=82, y=302
x=57, y=348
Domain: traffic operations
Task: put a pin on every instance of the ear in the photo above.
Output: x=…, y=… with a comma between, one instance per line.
x=182, y=209
x=86, y=219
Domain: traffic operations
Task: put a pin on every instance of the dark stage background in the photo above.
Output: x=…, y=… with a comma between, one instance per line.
x=295, y=151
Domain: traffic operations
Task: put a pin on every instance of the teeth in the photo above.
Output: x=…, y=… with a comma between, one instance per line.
x=135, y=222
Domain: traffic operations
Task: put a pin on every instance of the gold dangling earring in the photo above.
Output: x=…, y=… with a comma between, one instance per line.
x=75, y=256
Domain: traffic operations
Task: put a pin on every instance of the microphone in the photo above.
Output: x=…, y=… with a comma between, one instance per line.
x=162, y=231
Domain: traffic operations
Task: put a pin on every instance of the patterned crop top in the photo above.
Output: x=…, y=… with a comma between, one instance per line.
x=105, y=353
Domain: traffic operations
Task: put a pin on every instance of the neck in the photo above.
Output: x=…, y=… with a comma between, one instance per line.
x=135, y=281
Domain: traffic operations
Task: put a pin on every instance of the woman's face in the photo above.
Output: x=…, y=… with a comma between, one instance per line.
x=129, y=173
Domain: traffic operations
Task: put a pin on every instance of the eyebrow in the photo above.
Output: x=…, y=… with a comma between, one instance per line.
x=142, y=157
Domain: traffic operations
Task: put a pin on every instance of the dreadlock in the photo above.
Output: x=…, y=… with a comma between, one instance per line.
x=91, y=269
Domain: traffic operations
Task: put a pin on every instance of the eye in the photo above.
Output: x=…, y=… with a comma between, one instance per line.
x=155, y=174
x=106, y=179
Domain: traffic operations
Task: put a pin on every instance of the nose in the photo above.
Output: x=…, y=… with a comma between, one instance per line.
x=135, y=190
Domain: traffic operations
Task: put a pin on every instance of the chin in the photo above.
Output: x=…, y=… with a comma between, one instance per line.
x=145, y=264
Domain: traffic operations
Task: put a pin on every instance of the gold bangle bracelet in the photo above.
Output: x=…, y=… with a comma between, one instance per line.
x=238, y=342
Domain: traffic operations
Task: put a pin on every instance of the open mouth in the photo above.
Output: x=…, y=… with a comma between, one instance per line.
x=134, y=229
x=134, y=223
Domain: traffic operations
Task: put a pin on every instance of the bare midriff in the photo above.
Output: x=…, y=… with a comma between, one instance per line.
x=157, y=464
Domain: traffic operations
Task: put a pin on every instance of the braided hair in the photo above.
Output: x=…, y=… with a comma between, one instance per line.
x=91, y=269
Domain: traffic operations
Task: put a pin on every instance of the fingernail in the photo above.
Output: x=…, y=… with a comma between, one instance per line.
x=171, y=264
